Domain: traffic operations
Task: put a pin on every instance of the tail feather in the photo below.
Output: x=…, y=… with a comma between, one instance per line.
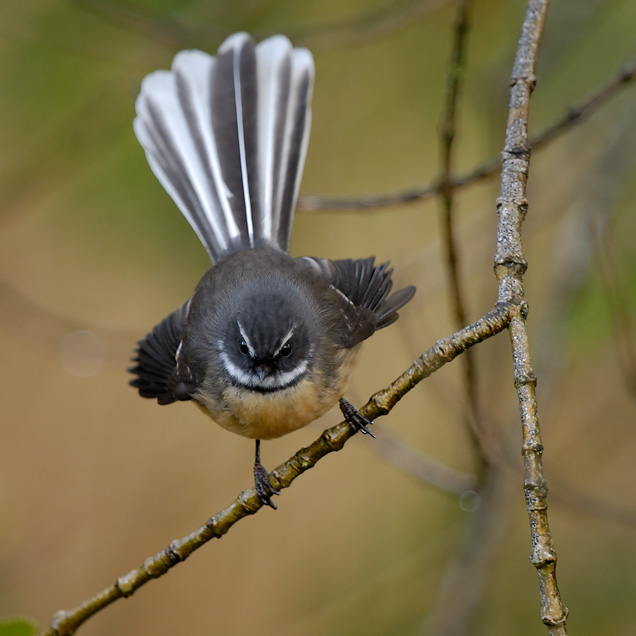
x=285, y=84
x=234, y=119
x=227, y=137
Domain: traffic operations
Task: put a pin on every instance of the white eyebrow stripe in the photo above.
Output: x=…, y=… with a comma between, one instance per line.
x=248, y=342
x=285, y=340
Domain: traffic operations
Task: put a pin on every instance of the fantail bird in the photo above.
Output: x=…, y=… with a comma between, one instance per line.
x=266, y=343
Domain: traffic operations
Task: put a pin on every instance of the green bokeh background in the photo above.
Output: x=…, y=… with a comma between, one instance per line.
x=94, y=479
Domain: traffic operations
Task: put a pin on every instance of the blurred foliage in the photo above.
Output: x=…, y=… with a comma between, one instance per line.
x=16, y=627
x=93, y=479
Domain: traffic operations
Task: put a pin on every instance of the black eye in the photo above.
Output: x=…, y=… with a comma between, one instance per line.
x=286, y=349
x=243, y=348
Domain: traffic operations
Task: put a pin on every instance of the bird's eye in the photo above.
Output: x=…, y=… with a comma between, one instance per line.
x=286, y=349
x=243, y=348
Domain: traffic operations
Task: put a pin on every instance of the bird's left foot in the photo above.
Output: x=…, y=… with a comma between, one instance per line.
x=264, y=489
x=355, y=418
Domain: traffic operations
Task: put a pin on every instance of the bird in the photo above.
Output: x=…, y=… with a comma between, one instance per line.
x=266, y=344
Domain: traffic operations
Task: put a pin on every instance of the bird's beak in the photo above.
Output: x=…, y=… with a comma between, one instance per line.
x=262, y=371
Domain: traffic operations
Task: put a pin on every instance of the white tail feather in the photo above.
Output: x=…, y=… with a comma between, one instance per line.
x=176, y=127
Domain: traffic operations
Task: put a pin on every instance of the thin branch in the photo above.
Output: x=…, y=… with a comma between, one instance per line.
x=574, y=115
x=367, y=26
x=161, y=27
x=424, y=468
x=44, y=329
x=66, y=622
x=571, y=496
x=510, y=266
x=375, y=24
x=447, y=134
x=600, y=191
x=581, y=111
x=462, y=587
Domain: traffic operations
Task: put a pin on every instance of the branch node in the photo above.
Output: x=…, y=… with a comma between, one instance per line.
x=126, y=583
x=249, y=502
x=520, y=150
x=172, y=555
x=300, y=462
x=536, y=494
x=57, y=620
x=525, y=379
x=210, y=524
x=381, y=401
x=520, y=203
x=529, y=79
x=334, y=439
x=514, y=265
x=152, y=566
x=547, y=557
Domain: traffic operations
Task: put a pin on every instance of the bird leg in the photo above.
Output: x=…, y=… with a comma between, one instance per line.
x=261, y=480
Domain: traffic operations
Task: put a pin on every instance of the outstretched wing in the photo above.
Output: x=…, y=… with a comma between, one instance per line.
x=227, y=137
x=364, y=289
x=159, y=372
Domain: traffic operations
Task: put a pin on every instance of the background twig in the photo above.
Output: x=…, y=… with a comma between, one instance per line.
x=449, y=240
x=573, y=115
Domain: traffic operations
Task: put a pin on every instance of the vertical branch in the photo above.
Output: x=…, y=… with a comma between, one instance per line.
x=447, y=133
x=510, y=266
x=467, y=575
x=447, y=190
x=461, y=590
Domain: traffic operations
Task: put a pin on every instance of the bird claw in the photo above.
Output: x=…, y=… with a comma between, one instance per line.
x=355, y=418
x=264, y=489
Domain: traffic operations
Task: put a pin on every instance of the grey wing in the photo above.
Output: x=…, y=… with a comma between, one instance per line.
x=365, y=292
x=160, y=374
x=227, y=138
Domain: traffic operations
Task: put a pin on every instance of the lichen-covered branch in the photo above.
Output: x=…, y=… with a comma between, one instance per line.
x=66, y=622
x=510, y=266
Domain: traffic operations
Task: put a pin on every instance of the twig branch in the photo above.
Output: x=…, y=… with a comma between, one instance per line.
x=425, y=468
x=372, y=25
x=66, y=622
x=574, y=115
x=44, y=329
x=447, y=134
x=462, y=586
x=368, y=26
x=581, y=111
x=510, y=266
x=461, y=589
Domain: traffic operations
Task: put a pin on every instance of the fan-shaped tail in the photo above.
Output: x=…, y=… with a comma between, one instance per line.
x=227, y=138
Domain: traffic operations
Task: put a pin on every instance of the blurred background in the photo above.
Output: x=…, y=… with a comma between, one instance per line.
x=93, y=253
